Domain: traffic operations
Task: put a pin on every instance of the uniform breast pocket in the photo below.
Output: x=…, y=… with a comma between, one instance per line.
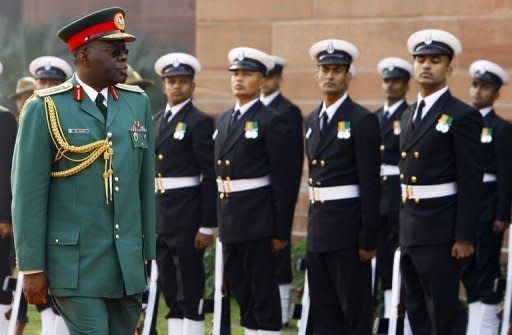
x=79, y=137
x=139, y=139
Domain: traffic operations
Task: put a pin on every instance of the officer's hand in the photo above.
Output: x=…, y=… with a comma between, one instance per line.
x=5, y=229
x=499, y=226
x=365, y=255
x=202, y=241
x=278, y=245
x=35, y=288
x=462, y=249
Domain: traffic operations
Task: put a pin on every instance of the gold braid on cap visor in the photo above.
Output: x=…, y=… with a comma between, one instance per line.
x=94, y=150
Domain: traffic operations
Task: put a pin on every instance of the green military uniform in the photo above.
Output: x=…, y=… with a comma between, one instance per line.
x=83, y=201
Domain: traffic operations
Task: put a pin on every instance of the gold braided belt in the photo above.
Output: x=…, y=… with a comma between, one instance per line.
x=92, y=151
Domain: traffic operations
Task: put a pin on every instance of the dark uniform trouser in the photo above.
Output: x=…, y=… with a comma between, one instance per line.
x=5, y=269
x=387, y=244
x=180, y=276
x=251, y=276
x=283, y=261
x=340, y=291
x=481, y=269
x=100, y=316
x=430, y=278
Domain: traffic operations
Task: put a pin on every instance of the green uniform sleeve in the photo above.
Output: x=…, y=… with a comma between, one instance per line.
x=147, y=191
x=30, y=179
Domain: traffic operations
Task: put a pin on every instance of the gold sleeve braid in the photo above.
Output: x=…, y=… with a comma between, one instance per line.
x=92, y=150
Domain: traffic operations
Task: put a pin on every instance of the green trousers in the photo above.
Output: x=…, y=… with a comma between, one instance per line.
x=100, y=316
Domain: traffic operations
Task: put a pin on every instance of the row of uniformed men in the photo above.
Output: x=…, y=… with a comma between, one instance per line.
x=430, y=158
x=254, y=182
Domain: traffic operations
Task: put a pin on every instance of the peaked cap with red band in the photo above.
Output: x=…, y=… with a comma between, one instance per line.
x=106, y=25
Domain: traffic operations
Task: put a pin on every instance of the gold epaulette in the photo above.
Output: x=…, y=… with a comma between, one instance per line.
x=131, y=88
x=65, y=86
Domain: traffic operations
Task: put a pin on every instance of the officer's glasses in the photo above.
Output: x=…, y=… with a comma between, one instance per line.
x=113, y=52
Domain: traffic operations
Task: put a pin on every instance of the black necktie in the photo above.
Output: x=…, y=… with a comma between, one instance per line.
x=101, y=106
x=386, y=114
x=168, y=115
x=324, y=120
x=417, y=118
x=234, y=118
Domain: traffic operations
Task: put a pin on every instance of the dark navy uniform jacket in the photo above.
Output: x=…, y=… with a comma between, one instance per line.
x=430, y=157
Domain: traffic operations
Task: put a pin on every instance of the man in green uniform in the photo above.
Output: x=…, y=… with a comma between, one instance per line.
x=83, y=188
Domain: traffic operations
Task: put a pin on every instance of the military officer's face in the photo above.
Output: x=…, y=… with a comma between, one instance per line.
x=178, y=88
x=271, y=84
x=395, y=89
x=432, y=70
x=105, y=61
x=333, y=79
x=246, y=84
x=483, y=94
x=43, y=83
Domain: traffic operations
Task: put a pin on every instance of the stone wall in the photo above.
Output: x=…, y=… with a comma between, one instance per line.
x=378, y=28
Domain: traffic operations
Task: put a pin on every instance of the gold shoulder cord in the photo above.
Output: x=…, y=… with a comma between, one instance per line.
x=94, y=150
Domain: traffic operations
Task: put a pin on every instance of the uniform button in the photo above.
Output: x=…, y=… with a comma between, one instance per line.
x=160, y=157
x=221, y=195
x=313, y=162
x=384, y=178
x=318, y=183
x=227, y=162
x=310, y=181
x=117, y=236
x=56, y=240
x=159, y=174
x=403, y=154
x=109, y=135
x=416, y=154
x=417, y=201
x=117, y=226
x=382, y=147
x=401, y=176
x=116, y=179
x=162, y=191
x=322, y=163
x=219, y=162
x=414, y=179
x=116, y=188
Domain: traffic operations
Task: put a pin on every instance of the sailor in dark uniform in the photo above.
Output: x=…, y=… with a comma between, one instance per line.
x=482, y=269
x=395, y=73
x=8, y=130
x=49, y=71
x=255, y=204
x=271, y=96
x=342, y=147
x=185, y=193
x=441, y=179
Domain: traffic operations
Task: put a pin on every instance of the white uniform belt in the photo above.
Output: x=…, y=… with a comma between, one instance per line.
x=428, y=191
x=238, y=185
x=489, y=178
x=333, y=192
x=389, y=170
x=171, y=183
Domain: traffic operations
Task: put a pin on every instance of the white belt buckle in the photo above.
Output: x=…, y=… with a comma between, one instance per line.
x=314, y=194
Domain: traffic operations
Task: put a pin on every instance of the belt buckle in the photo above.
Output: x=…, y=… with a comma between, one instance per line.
x=226, y=185
x=159, y=185
x=314, y=194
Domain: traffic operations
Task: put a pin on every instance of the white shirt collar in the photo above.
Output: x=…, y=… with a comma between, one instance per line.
x=91, y=92
x=332, y=108
x=175, y=109
x=485, y=111
x=391, y=109
x=430, y=100
x=269, y=98
x=245, y=107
